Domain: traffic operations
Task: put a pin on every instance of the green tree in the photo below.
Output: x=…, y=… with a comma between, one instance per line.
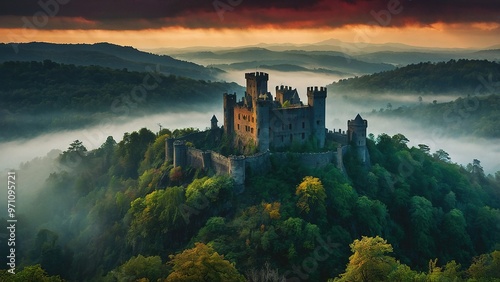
x=77, y=146
x=140, y=267
x=371, y=216
x=369, y=261
x=52, y=257
x=456, y=241
x=202, y=263
x=486, y=266
x=450, y=272
x=311, y=194
x=29, y=273
x=422, y=220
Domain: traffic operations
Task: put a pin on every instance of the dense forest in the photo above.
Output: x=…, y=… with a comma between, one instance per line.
x=476, y=115
x=464, y=77
x=41, y=96
x=120, y=213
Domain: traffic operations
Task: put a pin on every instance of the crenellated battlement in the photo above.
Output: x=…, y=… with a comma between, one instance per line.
x=252, y=75
x=316, y=91
x=284, y=88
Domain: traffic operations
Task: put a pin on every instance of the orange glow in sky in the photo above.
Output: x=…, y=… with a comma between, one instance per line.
x=436, y=35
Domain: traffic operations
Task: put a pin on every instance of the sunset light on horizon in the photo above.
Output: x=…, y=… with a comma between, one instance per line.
x=173, y=24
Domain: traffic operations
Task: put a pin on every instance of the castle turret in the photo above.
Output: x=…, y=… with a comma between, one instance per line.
x=229, y=103
x=287, y=94
x=316, y=99
x=356, y=135
x=256, y=84
x=213, y=123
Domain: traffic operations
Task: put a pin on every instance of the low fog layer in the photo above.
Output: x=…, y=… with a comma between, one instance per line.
x=462, y=150
x=15, y=152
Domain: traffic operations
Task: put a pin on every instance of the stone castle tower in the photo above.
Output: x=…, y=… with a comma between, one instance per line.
x=259, y=121
x=316, y=99
x=356, y=136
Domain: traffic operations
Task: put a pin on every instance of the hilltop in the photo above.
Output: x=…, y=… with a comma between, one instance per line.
x=455, y=76
x=468, y=116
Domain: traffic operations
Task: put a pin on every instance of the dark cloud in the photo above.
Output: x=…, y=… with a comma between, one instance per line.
x=142, y=14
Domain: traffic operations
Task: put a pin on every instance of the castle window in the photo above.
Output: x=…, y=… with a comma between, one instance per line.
x=303, y=125
x=253, y=119
x=238, y=127
x=317, y=122
x=290, y=126
x=303, y=136
x=251, y=130
x=281, y=138
x=239, y=117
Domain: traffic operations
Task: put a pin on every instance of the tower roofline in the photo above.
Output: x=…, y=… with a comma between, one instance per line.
x=358, y=120
x=256, y=74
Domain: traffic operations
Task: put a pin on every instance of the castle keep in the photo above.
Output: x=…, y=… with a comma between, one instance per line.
x=261, y=121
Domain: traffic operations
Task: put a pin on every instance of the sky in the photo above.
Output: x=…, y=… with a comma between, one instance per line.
x=185, y=23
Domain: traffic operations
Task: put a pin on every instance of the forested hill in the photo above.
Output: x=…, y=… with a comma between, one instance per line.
x=42, y=96
x=468, y=116
x=119, y=213
x=103, y=54
x=455, y=76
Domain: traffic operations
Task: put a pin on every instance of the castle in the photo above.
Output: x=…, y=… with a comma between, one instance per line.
x=258, y=120
x=263, y=123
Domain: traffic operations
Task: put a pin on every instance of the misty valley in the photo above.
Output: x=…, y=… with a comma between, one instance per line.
x=86, y=129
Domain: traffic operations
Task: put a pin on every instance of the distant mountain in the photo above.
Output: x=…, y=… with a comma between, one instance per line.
x=332, y=61
x=406, y=58
x=462, y=77
x=106, y=55
x=491, y=54
x=331, y=55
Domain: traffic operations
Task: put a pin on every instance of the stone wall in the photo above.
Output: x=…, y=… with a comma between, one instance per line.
x=290, y=125
x=311, y=160
x=195, y=158
x=219, y=163
x=237, y=166
x=245, y=124
x=258, y=163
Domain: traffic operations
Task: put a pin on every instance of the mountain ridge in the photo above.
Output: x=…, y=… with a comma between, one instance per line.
x=106, y=55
